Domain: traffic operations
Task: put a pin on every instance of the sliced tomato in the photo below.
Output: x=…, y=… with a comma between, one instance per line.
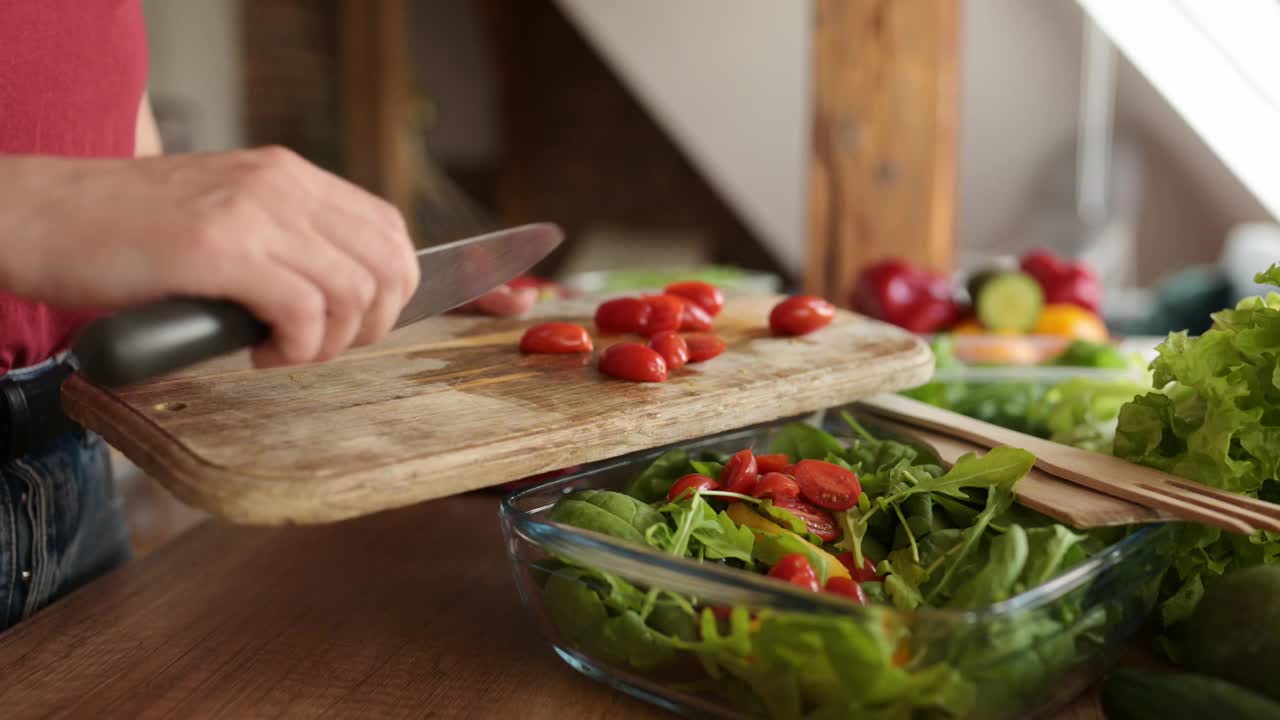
x=817, y=520
x=633, y=361
x=777, y=486
x=848, y=588
x=740, y=473
x=694, y=319
x=705, y=295
x=773, y=463
x=689, y=483
x=827, y=484
x=666, y=313
x=703, y=347
x=623, y=315
x=866, y=573
x=672, y=348
x=795, y=569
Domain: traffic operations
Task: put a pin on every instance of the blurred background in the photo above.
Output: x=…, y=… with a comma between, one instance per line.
x=785, y=144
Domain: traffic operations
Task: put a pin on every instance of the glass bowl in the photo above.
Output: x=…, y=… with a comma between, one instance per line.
x=777, y=652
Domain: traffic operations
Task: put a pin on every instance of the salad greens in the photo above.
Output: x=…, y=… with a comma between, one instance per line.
x=1081, y=411
x=938, y=538
x=1214, y=417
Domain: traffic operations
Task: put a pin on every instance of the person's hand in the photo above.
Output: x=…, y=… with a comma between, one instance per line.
x=325, y=264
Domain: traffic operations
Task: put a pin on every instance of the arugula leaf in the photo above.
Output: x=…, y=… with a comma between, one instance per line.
x=805, y=442
x=652, y=484
x=995, y=581
x=999, y=499
x=607, y=512
x=1050, y=550
x=1000, y=465
x=715, y=533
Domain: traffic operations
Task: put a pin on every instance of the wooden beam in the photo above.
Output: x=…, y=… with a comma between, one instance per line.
x=882, y=174
x=375, y=91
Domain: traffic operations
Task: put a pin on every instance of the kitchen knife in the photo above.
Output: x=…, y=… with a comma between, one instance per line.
x=149, y=340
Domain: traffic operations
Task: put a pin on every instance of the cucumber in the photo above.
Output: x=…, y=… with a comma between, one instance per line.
x=1131, y=694
x=1234, y=633
x=1009, y=301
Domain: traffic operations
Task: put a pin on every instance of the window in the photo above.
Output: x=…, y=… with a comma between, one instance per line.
x=1218, y=64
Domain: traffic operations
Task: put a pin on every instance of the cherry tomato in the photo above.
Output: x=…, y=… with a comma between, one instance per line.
x=795, y=569
x=633, y=361
x=800, y=315
x=827, y=485
x=817, y=520
x=866, y=573
x=777, y=486
x=555, y=337
x=740, y=473
x=672, y=348
x=666, y=312
x=623, y=315
x=694, y=319
x=704, y=295
x=703, y=347
x=773, y=463
x=688, y=483
x=848, y=588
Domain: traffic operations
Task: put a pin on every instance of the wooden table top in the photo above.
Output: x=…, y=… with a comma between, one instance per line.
x=405, y=614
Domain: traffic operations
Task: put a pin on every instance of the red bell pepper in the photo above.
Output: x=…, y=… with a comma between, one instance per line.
x=1062, y=281
x=895, y=292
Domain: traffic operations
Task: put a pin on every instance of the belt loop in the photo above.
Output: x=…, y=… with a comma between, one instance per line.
x=13, y=415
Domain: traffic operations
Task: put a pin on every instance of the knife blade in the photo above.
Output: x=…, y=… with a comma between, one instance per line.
x=143, y=342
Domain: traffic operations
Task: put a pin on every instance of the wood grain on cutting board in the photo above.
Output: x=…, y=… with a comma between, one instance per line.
x=449, y=405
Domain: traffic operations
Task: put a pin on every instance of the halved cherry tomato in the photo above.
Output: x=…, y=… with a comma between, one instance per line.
x=672, y=348
x=795, y=569
x=800, y=315
x=848, y=588
x=703, y=347
x=633, y=361
x=623, y=315
x=866, y=573
x=705, y=295
x=555, y=337
x=666, y=312
x=776, y=485
x=817, y=520
x=694, y=319
x=827, y=485
x=688, y=483
x=773, y=463
x=740, y=473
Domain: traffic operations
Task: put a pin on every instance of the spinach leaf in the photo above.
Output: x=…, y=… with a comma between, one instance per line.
x=607, y=512
x=709, y=468
x=805, y=442
x=652, y=484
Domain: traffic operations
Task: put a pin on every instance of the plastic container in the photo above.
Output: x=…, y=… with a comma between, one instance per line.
x=1026, y=654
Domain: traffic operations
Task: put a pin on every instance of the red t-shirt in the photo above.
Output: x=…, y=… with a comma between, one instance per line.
x=72, y=74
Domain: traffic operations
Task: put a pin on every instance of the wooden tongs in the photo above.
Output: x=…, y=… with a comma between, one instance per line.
x=1084, y=489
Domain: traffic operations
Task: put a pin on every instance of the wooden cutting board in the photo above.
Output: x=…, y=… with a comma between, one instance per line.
x=450, y=405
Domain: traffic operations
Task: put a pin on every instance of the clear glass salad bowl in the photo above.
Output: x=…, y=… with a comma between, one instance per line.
x=775, y=651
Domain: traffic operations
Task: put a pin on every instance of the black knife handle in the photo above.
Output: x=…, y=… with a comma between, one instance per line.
x=149, y=340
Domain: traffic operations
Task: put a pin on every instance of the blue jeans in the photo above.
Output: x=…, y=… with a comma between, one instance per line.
x=61, y=521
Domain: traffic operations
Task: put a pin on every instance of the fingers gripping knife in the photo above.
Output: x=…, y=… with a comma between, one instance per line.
x=154, y=339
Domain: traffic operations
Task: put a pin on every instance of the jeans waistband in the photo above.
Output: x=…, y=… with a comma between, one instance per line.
x=31, y=415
